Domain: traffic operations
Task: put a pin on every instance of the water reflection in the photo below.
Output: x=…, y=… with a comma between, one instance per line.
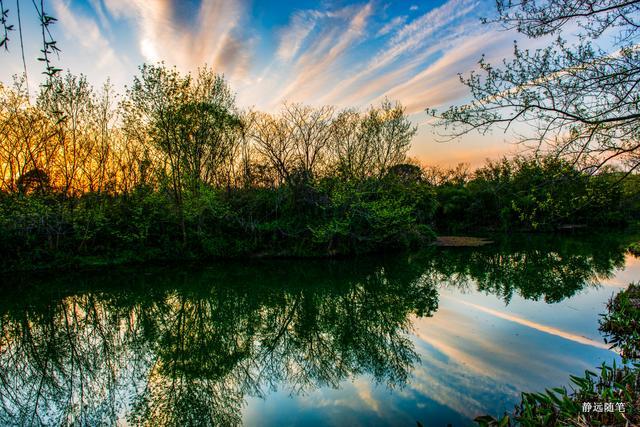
x=535, y=267
x=188, y=346
x=176, y=346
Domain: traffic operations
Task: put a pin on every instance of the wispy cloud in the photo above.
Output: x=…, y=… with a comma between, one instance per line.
x=293, y=36
x=319, y=64
x=419, y=32
x=438, y=83
x=84, y=30
x=392, y=25
x=540, y=327
x=349, y=55
x=407, y=48
x=213, y=38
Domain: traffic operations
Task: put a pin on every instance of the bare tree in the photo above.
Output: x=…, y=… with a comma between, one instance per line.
x=68, y=104
x=392, y=133
x=275, y=143
x=351, y=148
x=98, y=169
x=27, y=146
x=579, y=101
x=311, y=130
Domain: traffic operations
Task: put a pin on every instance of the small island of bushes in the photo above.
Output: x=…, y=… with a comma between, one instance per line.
x=174, y=170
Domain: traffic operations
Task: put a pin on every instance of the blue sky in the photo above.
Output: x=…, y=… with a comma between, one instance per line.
x=343, y=53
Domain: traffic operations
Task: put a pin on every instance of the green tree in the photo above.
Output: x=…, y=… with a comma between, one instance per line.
x=186, y=124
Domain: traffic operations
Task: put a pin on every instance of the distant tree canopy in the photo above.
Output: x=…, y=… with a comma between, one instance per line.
x=529, y=193
x=174, y=168
x=583, y=102
x=181, y=131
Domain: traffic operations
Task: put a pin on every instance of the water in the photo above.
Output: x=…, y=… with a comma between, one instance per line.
x=439, y=337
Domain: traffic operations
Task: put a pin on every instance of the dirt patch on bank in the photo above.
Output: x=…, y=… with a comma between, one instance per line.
x=461, y=241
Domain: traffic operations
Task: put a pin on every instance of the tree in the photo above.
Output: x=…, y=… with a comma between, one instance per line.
x=27, y=140
x=69, y=106
x=311, y=132
x=274, y=143
x=186, y=123
x=368, y=144
x=392, y=133
x=295, y=142
x=583, y=102
x=351, y=147
x=34, y=180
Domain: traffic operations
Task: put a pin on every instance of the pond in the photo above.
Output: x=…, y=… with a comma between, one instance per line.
x=439, y=336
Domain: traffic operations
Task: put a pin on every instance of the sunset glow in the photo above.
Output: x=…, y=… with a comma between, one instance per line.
x=342, y=53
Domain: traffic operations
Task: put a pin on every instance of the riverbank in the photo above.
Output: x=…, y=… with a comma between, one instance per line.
x=115, y=249
x=40, y=233
x=327, y=219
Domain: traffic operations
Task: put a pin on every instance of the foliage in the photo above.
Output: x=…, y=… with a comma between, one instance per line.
x=613, y=385
x=621, y=323
x=49, y=45
x=531, y=194
x=327, y=218
x=578, y=100
x=188, y=124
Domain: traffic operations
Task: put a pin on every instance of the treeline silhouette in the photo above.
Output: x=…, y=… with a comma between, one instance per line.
x=173, y=169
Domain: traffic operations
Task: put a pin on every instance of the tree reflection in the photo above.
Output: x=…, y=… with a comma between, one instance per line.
x=536, y=267
x=171, y=348
x=181, y=347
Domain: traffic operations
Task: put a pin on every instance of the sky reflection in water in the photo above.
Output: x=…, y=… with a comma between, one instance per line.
x=437, y=337
x=473, y=360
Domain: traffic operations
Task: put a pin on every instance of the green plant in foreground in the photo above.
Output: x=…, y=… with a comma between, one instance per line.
x=634, y=249
x=611, y=390
x=621, y=324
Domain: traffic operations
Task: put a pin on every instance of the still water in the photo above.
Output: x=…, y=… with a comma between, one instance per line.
x=439, y=337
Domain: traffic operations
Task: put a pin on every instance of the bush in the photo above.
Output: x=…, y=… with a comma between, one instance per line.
x=530, y=194
x=329, y=217
x=621, y=323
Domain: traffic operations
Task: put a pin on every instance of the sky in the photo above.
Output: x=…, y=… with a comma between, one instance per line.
x=337, y=52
